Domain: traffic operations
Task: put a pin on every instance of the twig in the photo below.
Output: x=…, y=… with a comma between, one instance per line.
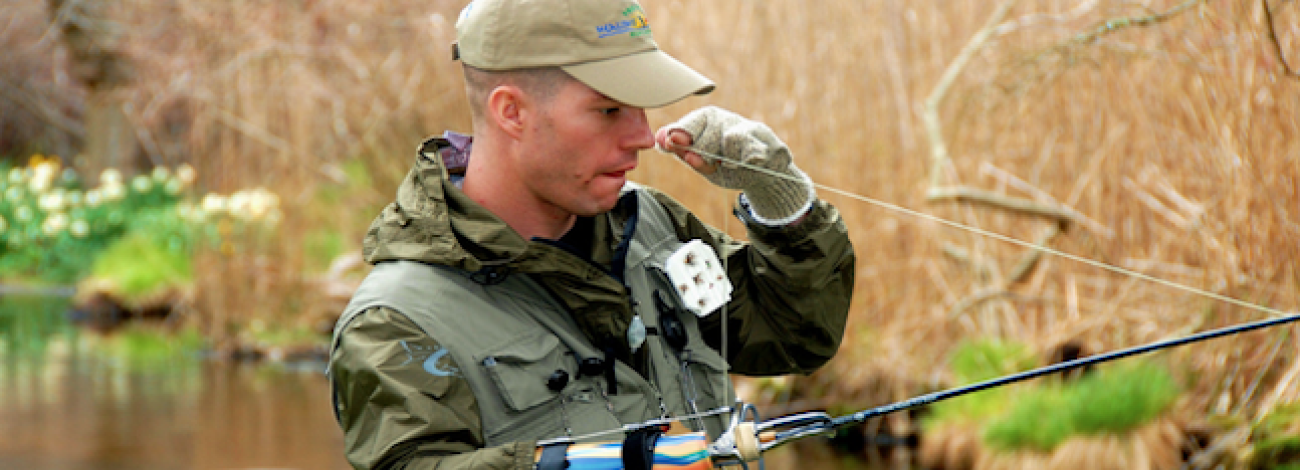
x=1117, y=24
x=1277, y=46
x=1268, y=365
x=19, y=95
x=989, y=198
x=978, y=298
x=1279, y=390
x=1031, y=257
x=930, y=115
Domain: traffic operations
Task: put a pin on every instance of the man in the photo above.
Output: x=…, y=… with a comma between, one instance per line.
x=519, y=291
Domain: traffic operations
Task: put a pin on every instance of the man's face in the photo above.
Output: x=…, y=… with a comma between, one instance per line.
x=582, y=147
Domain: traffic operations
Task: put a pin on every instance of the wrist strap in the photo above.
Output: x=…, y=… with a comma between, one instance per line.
x=639, y=448
x=554, y=457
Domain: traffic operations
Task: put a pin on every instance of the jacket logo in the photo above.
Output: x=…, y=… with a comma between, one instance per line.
x=634, y=25
x=430, y=358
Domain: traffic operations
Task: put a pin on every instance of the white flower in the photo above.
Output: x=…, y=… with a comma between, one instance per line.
x=39, y=185
x=79, y=228
x=75, y=198
x=43, y=176
x=94, y=198
x=23, y=214
x=113, y=192
x=141, y=184
x=161, y=173
x=110, y=177
x=262, y=202
x=214, y=203
x=52, y=202
x=15, y=193
x=186, y=174
x=16, y=175
x=174, y=186
x=55, y=224
x=69, y=175
x=238, y=204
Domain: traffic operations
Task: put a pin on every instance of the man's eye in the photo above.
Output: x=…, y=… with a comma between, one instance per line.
x=609, y=111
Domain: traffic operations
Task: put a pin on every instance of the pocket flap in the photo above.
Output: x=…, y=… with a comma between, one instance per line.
x=520, y=368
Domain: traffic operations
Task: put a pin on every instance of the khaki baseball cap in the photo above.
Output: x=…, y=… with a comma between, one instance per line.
x=605, y=44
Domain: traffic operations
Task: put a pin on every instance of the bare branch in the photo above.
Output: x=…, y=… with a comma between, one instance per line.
x=938, y=149
x=1117, y=24
x=1277, y=46
x=1031, y=257
x=1013, y=204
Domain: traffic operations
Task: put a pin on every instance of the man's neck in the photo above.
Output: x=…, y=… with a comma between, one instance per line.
x=501, y=191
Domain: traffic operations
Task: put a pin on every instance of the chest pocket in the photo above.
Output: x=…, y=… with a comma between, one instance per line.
x=520, y=367
x=524, y=372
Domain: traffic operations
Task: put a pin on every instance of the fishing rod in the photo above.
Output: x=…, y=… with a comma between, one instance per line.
x=739, y=443
x=748, y=436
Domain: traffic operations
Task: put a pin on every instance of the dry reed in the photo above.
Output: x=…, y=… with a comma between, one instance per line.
x=1176, y=141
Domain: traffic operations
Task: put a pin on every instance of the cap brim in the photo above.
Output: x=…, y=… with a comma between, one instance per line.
x=649, y=79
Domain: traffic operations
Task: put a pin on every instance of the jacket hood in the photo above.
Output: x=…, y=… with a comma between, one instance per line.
x=432, y=221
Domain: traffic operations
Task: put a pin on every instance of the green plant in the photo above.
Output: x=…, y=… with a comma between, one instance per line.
x=1112, y=400
x=975, y=361
x=52, y=226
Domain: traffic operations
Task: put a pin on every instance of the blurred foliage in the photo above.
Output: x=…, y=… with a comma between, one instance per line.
x=28, y=324
x=1111, y=400
x=139, y=234
x=1042, y=414
x=145, y=348
x=140, y=266
x=977, y=361
x=52, y=225
x=1277, y=439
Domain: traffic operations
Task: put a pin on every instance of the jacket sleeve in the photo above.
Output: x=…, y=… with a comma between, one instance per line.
x=403, y=405
x=793, y=286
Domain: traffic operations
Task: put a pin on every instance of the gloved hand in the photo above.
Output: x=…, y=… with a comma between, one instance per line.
x=775, y=200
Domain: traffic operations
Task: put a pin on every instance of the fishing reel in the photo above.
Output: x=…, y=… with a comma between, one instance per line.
x=745, y=441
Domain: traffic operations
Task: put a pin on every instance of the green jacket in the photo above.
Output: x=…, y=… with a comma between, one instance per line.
x=404, y=403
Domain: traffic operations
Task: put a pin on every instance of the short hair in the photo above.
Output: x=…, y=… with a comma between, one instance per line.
x=539, y=82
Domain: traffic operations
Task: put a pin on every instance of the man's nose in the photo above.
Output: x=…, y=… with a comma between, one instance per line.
x=640, y=136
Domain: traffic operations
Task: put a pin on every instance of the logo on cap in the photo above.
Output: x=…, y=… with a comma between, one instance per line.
x=635, y=25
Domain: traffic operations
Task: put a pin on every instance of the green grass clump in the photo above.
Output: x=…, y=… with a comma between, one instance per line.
x=138, y=266
x=977, y=361
x=1112, y=400
x=1276, y=443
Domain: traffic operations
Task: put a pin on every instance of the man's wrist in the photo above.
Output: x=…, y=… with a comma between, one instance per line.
x=781, y=202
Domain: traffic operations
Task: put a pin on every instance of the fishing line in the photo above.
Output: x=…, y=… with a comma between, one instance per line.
x=994, y=235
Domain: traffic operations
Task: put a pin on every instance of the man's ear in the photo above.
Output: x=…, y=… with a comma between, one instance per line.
x=506, y=106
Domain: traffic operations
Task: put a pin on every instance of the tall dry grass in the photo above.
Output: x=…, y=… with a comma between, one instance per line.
x=1177, y=141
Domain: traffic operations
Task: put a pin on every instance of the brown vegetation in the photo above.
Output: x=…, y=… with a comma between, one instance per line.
x=1172, y=144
